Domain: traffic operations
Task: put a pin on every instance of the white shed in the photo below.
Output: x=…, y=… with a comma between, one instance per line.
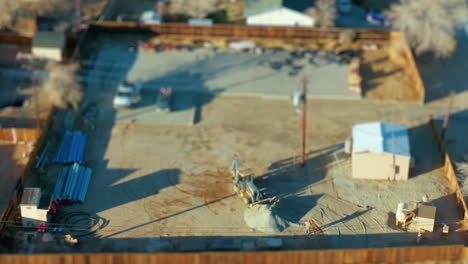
x=380, y=151
x=48, y=45
x=34, y=207
x=277, y=13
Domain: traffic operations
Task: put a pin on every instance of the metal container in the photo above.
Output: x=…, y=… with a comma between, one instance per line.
x=348, y=145
x=401, y=212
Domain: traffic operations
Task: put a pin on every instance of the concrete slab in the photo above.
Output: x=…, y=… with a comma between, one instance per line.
x=230, y=73
x=183, y=111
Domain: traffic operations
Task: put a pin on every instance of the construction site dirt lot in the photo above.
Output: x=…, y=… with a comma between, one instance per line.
x=171, y=185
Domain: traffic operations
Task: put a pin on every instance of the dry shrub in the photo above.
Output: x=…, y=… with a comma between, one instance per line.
x=93, y=10
x=54, y=8
x=57, y=9
x=195, y=8
x=8, y=10
x=324, y=13
x=429, y=25
x=63, y=85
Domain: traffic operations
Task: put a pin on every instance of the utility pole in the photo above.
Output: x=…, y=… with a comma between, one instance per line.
x=447, y=115
x=304, y=119
x=35, y=95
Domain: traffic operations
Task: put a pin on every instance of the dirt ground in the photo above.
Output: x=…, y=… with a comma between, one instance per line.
x=385, y=80
x=172, y=182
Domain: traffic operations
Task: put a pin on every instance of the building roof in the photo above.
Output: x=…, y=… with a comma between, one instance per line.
x=254, y=7
x=378, y=137
x=49, y=39
x=426, y=211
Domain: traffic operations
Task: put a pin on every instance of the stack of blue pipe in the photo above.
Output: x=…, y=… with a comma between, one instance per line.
x=43, y=158
x=72, y=184
x=72, y=147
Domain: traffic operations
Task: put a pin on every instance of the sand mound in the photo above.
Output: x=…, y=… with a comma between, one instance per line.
x=264, y=219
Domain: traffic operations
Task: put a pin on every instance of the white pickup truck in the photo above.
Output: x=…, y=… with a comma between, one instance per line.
x=128, y=94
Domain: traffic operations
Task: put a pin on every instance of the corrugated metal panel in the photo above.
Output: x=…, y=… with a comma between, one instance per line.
x=381, y=137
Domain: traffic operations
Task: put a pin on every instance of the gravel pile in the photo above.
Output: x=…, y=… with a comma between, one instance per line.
x=264, y=219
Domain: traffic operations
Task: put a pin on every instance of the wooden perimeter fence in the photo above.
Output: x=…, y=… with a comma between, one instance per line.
x=15, y=135
x=18, y=191
x=239, y=32
x=449, y=170
x=14, y=38
x=386, y=255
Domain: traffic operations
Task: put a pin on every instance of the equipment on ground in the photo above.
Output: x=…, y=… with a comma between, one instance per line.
x=244, y=184
x=403, y=215
x=163, y=102
x=445, y=229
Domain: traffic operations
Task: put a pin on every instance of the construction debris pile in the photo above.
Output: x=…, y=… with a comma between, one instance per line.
x=72, y=184
x=264, y=219
x=72, y=147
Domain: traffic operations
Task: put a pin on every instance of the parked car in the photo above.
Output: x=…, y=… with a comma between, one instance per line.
x=163, y=102
x=151, y=17
x=377, y=17
x=128, y=94
x=148, y=46
x=345, y=6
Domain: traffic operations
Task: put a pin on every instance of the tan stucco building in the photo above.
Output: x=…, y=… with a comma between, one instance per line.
x=380, y=151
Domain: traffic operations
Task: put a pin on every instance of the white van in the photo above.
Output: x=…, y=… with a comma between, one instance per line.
x=128, y=94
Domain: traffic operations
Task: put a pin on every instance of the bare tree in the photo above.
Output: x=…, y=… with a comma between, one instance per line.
x=428, y=25
x=9, y=8
x=195, y=8
x=324, y=13
x=63, y=85
x=8, y=11
x=59, y=9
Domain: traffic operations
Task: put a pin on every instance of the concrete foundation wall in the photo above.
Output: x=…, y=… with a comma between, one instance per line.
x=379, y=166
